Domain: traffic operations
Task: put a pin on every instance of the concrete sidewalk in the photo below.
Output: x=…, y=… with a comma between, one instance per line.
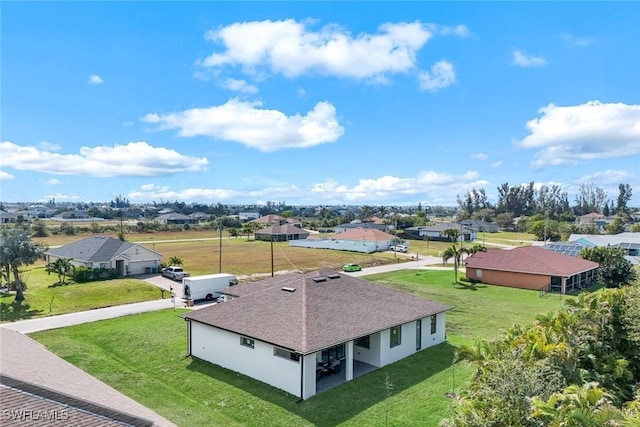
x=60, y=321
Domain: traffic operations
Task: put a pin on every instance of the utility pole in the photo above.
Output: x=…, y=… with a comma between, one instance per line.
x=220, y=247
x=272, y=251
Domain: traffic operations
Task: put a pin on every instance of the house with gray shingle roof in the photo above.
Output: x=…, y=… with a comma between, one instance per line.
x=305, y=332
x=97, y=252
x=437, y=231
x=531, y=267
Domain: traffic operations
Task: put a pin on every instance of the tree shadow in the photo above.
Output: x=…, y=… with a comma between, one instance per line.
x=341, y=403
x=469, y=286
x=12, y=310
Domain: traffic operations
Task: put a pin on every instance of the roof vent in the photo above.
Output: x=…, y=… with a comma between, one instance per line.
x=319, y=279
x=333, y=276
x=289, y=289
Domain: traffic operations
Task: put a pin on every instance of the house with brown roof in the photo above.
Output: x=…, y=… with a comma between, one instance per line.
x=281, y=233
x=277, y=219
x=303, y=333
x=531, y=267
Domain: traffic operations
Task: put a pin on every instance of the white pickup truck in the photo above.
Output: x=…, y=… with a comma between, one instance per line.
x=399, y=248
x=174, y=272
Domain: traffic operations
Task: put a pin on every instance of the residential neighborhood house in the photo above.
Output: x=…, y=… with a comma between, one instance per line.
x=101, y=252
x=303, y=333
x=365, y=240
x=175, y=218
x=531, y=267
x=479, y=226
x=437, y=232
x=281, y=233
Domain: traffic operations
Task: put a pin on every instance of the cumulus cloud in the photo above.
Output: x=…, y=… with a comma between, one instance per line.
x=95, y=79
x=132, y=159
x=240, y=86
x=609, y=176
x=53, y=181
x=439, y=185
x=442, y=74
x=5, y=176
x=289, y=48
x=243, y=122
x=522, y=59
x=496, y=164
x=153, y=192
x=568, y=135
x=456, y=30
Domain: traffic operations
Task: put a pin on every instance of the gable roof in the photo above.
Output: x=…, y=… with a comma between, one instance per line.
x=94, y=249
x=372, y=225
x=441, y=227
x=529, y=259
x=366, y=234
x=318, y=314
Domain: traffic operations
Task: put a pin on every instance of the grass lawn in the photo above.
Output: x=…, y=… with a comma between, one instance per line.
x=43, y=299
x=143, y=357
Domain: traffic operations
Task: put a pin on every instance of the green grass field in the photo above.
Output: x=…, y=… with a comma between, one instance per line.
x=44, y=299
x=143, y=357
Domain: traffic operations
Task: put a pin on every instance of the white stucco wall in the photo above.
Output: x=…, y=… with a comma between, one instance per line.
x=223, y=348
x=138, y=258
x=309, y=387
x=372, y=354
x=408, y=340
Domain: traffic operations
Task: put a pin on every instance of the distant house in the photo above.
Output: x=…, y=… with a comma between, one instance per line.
x=531, y=267
x=281, y=233
x=593, y=218
x=627, y=241
x=248, y=216
x=364, y=240
x=479, y=226
x=437, y=232
x=277, y=219
x=303, y=333
x=106, y=252
x=200, y=216
x=74, y=214
x=176, y=218
x=371, y=225
x=8, y=217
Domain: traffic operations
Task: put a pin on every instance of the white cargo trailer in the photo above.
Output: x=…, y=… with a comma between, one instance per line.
x=206, y=287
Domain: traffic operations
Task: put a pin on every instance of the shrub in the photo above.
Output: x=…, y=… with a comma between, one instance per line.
x=83, y=274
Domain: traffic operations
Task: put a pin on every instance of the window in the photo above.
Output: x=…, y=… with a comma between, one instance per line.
x=434, y=323
x=285, y=354
x=333, y=353
x=247, y=342
x=478, y=272
x=395, y=336
x=362, y=342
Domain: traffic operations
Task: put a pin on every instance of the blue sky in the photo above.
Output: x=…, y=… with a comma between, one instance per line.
x=382, y=103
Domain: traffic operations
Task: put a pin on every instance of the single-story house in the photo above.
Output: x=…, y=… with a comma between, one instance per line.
x=627, y=241
x=436, y=232
x=479, y=226
x=303, y=333
x=590, y=218
x=372, y=225
x=106, y=252
x=277, y=219
x=176, y=218
x=200, y=216
x=364, y=240
x=247, y=216
x=281, y=233
x=531, y=267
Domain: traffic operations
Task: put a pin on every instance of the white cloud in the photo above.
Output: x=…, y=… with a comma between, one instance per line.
x=608, y=177
x=573, y=41
x=266, y=130
x=59, y=197
x=53, y=181
x=442, y=74
x=496, y=164
x=240, y=86
x=522, y=59
x=48, y=146
x=5, y=176
x=568, y=135
x=457, y=30
x=480, y=156
x=287, y=47
x=132, y=159
x=150, y=192
x=95, y=79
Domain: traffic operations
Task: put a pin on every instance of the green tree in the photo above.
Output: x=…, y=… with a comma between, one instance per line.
x=615, y=270
x=455, y=253
x=18, y=250
x=62, y=267
x=174, y=260
x=40, y=228
x=616, y=226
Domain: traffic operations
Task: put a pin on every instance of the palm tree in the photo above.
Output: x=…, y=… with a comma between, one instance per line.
x=17, y=250
x=174, y=260
x=455, y=253
x=62, y=267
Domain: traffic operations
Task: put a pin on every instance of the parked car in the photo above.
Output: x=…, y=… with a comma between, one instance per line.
x=399, y=248
x=174, y=272
x=351, y=267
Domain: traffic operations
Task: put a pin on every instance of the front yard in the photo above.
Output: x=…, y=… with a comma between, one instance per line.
x=44, y=299
x=143, y=357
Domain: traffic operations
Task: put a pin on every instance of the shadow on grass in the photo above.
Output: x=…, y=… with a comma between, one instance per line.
x=341, y=403
x=470, y=286
x=12, y=310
